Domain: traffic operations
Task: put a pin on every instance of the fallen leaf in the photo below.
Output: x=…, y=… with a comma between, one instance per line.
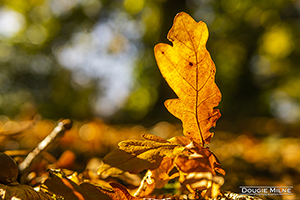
x=97, y=192
x=159, y=177
x=150, y=150
x=66, y=188
x=205, y=181
x=180, y=140
x=118, y=161
x=117, y=192
x=199, y=160
x=135, y=156
x=155, y=138
x=190, y=72
x=20, y=191
x=122, y=193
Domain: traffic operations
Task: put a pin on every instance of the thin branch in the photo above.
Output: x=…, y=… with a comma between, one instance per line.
x=59, y=130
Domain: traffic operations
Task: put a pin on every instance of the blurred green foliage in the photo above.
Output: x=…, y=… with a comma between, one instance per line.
x=84, y=58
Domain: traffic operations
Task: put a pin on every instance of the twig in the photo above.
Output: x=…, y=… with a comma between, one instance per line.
x=142, y=186
x=59, y=130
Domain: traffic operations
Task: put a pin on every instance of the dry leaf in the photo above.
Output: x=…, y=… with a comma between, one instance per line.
x=135, y=156
x=20, y=191
x=118, y=192
x=190, y=72
x=97, y=192
x=200, y=160
x=180, y=140
x=66, y=188
x=150, y=150
x=155, y=138
x=118, y=161
x=205, y=181
x=122, y=193
x=159, y=177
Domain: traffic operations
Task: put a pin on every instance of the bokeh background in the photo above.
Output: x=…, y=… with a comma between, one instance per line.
x=92, y=61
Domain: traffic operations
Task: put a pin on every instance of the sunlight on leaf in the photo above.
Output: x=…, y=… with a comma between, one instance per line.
x=200, y=160
x=204, y=181
x=190, y=72
x=159, y=177
x=135, y=156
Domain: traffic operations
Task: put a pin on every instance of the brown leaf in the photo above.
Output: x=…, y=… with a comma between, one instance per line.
x=96, y=192
x=190, y=72
x=159, y=177
x=122, y=193
x=200, y=160
x=119, y=192
x=118, y=161
x=66, y=188
x=20, y=191
x=135, y=156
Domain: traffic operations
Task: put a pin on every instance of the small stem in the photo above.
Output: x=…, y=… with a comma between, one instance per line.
x=59, y=130
x=142, y=186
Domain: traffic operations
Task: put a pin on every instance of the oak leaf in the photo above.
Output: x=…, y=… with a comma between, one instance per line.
x=199, y=160
x=157, y=178
x=203, y=181
x=135, y=156
x=190, y=72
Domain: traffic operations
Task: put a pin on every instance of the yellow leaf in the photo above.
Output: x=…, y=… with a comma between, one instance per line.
x=135, y=156
x=204, y=181
x=190, y=72
x=118, y=161
x=155, y=138
x=150, y=149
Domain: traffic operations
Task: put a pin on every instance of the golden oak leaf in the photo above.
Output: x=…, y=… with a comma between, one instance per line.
x=190, y=72
x=119, y=161
x=180, y=140
x=155, y=138
x=150, y=150
x=135, y=156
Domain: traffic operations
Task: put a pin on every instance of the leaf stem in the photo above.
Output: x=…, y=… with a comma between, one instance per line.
x=142, y=186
